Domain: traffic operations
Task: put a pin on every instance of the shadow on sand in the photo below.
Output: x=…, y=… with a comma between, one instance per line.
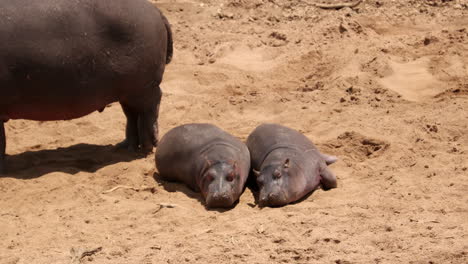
x=70, y=160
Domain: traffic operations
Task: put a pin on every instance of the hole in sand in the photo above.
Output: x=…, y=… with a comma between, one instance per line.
x=413, y=80
x=356, y=147
x=245, y=58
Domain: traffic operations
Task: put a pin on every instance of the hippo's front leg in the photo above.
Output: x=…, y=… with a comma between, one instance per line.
x=2, y=147
x=148, y=124
x=131, y=141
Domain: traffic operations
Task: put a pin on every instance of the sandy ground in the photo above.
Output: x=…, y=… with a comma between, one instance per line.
x=383, y=86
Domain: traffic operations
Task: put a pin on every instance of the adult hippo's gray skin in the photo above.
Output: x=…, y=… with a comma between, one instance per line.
x=286, y=164
x=206, y=159
x=63, y=59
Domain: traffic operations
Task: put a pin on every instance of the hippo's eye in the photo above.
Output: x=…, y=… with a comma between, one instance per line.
x=276, y=174
x=230, y=177
x=210, y=177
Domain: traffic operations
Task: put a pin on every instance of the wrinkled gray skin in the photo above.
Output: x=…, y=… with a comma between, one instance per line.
x=63, y=59
x=286, y=164
x=206, y=159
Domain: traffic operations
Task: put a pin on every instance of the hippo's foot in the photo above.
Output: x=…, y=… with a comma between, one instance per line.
x=147, y=148
x=147, y=137
x=127, y=145
x=148, y=131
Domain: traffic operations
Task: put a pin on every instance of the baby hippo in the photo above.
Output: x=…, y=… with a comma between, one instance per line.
x=286, y=164
x=207, y=159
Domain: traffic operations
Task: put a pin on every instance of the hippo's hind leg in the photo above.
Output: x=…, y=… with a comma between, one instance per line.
x=2, y=147
x=142, y=121
x=328, y=178
x=148, y=123
x=131, y=141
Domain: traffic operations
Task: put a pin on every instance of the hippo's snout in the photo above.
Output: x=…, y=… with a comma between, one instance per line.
x=219, y=200
x=276, y=198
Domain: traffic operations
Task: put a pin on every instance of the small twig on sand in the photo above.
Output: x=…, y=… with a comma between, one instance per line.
x=446, y=73
x=79, y=254
x=338, y=5
x=144, y=188
x=164, y=205
x=8, y=214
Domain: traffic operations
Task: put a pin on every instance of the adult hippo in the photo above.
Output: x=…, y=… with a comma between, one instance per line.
x=207, y=159
x=63, y=59
x=287, y=165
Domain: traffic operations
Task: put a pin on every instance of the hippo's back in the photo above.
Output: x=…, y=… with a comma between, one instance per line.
x=267, y=137
x=181, y=151
x=69, y=57
x=190, y=138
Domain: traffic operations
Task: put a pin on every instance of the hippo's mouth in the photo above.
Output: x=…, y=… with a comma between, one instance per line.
x=219, y=201
x=273, y=199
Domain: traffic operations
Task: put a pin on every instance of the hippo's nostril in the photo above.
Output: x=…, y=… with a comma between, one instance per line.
x=276, y=174
x=220, y=196
x=219, y=200
x=274, y=196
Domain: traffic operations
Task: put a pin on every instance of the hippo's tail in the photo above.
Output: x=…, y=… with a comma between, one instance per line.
x=170, y=49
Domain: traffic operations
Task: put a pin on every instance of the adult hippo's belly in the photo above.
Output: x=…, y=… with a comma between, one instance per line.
x=62, y=59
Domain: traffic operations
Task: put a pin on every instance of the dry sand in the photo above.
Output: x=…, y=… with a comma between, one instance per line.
x=383, y=86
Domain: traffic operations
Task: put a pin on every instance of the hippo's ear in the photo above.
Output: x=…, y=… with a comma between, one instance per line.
x=329, y=159
x=286, y=163
x=208, y=162
x=256, y=172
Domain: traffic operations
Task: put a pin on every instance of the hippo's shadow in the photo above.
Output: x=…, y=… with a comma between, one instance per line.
x=173, y=186
x=251, y=184
x=70, y=160
x=305, y=197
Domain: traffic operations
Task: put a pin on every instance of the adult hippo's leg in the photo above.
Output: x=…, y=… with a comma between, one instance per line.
x=148, y=123
x=131, y=141
x=2, y=147
x=142, y=120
